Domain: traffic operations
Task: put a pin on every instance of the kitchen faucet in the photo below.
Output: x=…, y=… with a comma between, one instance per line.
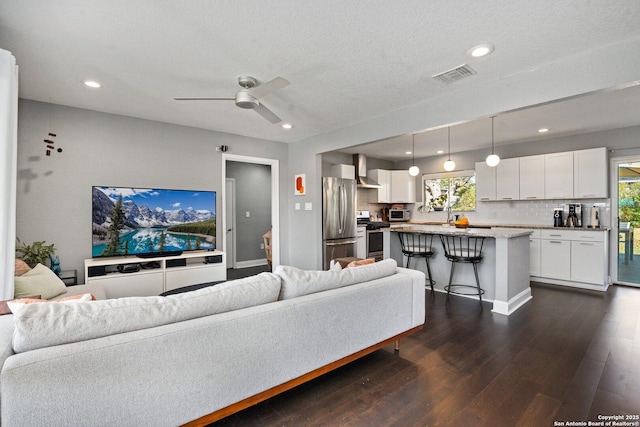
x=448, y=214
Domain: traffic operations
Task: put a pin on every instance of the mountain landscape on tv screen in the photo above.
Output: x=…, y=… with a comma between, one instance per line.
x=149, y=228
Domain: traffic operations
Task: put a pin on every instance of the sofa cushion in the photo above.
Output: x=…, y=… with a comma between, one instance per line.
x=40, y=280
x=296, y=282
x=45, y=325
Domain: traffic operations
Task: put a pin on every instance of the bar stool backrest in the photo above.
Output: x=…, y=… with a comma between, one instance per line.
x=416, y=243
x=462, y=248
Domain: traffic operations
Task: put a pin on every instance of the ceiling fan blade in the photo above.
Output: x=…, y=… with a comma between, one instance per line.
x=267, y=114
x=204, y=99
x=269, y=87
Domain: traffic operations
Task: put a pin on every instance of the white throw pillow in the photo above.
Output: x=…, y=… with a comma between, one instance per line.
x=46, y=325
x=296, y=282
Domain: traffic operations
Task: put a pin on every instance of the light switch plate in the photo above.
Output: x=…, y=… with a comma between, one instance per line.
x=297, y=206
x=307, y=206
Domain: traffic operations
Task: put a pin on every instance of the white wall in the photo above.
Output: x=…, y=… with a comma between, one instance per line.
x=54, y=193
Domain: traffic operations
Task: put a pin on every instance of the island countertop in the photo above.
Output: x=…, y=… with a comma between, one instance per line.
x=495, y=233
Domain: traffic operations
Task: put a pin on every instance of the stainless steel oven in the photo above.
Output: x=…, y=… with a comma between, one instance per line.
x=375, y=240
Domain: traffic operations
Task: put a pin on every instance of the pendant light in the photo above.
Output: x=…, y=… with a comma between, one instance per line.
x=449, y=165
x=414, y=170
x=492, y=159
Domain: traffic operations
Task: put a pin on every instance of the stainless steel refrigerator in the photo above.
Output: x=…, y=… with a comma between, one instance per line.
x=338, y=219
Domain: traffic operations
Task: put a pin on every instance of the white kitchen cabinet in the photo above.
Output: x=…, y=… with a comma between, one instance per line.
x=555, y=259
x=534, y=253
x=361, y=242
x=532, y=177
x=382, y=177
x=508, y=179
x=590, y=175
x=558, y=175
x=485, y=182
x=587, y=263
x=403, y=187
x=574, y=257
x=397, y=186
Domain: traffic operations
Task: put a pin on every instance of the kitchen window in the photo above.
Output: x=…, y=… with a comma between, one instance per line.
x=456, y=190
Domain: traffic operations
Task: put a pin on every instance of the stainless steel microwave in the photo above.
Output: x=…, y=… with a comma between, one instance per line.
x=399, y=214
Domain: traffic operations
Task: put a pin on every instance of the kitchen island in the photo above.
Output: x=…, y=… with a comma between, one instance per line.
x=503, y=272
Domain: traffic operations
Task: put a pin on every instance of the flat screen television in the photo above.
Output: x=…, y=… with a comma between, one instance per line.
x=151, y=222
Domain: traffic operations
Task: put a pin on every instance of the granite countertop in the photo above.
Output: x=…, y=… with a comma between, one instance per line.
x=529, y=226
x=495, y=233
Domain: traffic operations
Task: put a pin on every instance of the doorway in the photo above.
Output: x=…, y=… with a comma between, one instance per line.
x=230, y=229
x=625, y=207
x=228, y=218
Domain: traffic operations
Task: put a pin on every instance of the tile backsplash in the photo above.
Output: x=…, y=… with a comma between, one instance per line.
x=534, y=212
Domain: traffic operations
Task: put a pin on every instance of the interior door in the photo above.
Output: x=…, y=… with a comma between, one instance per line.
x=625, y=207
x=230, y=215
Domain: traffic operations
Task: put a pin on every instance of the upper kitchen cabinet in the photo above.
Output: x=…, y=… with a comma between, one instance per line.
x=507, y=179
x=382, y=194
x=397, y=186
x=485, y=182
x=403, y=187
x=590, y=173
x=558, y=175
x=532, y=177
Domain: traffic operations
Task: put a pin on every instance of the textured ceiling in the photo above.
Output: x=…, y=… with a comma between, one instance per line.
x=347, y=61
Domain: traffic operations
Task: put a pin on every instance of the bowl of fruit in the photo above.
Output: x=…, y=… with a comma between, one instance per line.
x=462, y=223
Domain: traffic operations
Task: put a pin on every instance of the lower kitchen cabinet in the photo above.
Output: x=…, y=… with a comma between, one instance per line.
x=534, y=253
x=570, y=257
x=361, y=242
x=555, y=261
x=587, y=263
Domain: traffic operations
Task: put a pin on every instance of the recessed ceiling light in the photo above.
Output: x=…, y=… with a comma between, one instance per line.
x=480, y=50
x=543, y=130
x=287, y=126
x=439, y=151
x=92, y=84
x=407, y=152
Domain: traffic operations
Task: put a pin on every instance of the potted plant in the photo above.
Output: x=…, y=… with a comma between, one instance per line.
x=37, y=252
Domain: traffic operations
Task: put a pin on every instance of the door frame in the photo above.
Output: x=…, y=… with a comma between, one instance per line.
x=614, y=162
x=275, y=200
x=231, y=255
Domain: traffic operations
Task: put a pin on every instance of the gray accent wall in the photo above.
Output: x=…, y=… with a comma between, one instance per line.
x=54, y=193
x=253, y=195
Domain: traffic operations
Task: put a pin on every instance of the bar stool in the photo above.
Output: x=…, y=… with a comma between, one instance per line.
x=418, y=245
x=466, y=249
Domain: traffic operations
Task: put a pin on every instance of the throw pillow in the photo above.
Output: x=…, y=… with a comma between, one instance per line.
x=21, y=267
x=39, y=281
x=4, y=307
x=296, y=282
x=360, y=262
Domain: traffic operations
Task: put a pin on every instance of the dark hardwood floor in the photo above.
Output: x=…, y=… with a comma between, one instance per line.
x=568, y=355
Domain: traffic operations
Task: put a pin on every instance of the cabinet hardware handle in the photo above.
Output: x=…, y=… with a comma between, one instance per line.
x=556, y=235
x=485, y=198
x=589, y=195
x=554, y=241
x=531, y=197
x=507, y=198
x=586, y=244
x=586, y=237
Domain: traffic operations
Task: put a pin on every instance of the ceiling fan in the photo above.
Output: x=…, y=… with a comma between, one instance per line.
x=248, y=96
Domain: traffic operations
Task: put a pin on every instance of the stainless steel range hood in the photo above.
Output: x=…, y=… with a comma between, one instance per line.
x=360, y=162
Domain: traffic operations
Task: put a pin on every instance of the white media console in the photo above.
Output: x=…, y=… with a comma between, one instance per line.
x=156, y=275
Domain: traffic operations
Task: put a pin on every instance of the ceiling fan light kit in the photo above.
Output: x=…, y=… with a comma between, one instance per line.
x=248, y=97
x=449, y=165
x=492, y=159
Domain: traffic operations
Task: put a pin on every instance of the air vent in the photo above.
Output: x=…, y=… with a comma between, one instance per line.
x=455, y=74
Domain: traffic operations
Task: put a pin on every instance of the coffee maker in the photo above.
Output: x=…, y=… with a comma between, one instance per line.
x=573, y=214
x=557, y=217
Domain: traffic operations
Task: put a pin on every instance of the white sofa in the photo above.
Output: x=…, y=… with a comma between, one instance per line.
x=144, y=362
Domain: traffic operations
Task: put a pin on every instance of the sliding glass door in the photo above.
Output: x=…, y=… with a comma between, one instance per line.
x=625, y=206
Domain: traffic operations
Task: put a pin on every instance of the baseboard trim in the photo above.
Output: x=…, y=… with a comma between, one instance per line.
x=251, y=263
x=508, y=307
